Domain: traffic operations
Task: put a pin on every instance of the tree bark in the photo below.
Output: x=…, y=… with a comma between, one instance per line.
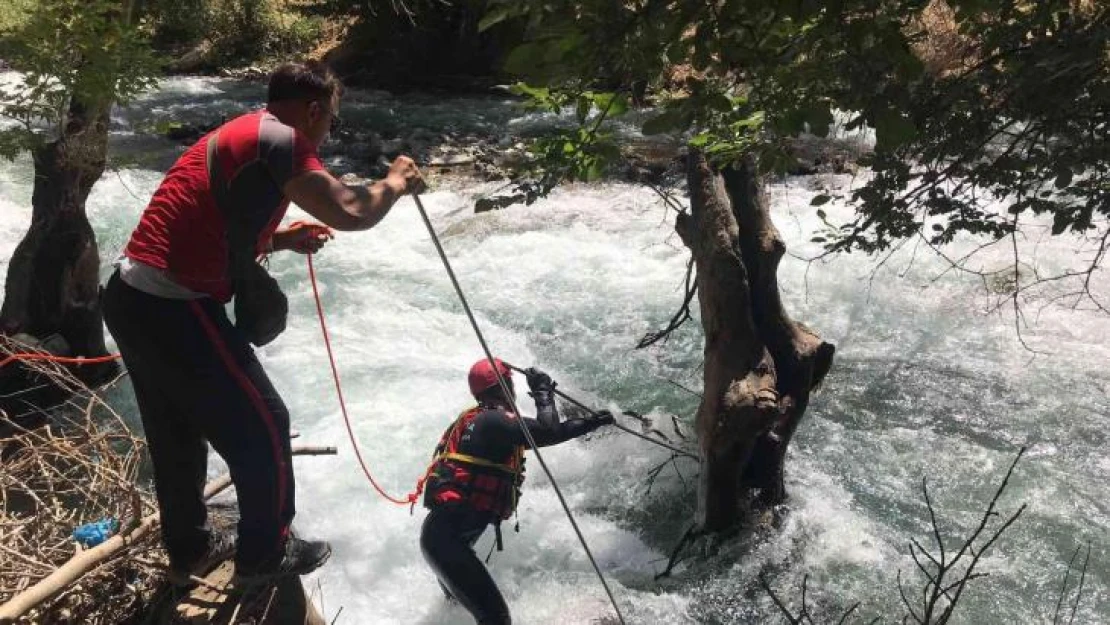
x=759, y=364
x=53, y=279
x=801, y=358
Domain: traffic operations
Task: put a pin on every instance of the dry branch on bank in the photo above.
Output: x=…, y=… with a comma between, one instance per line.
x=80, y=464
x=80, y=467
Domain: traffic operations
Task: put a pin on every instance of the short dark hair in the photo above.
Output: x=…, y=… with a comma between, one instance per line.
x=303, y=81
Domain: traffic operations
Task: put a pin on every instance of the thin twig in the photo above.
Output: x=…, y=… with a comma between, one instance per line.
x=1079, y=590
x=680, y=317
x=687, y=536
x=1064, y=586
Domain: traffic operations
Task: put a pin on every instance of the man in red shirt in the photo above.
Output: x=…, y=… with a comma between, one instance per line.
x=195, y=375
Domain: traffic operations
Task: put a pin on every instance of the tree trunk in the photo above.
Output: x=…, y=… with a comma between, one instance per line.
x=53, y=278
x=760, y=366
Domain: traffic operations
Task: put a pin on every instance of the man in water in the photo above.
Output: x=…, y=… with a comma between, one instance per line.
x=195, y=375
x=475, y=480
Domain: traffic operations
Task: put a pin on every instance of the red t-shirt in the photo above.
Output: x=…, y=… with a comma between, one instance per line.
x=183, y=232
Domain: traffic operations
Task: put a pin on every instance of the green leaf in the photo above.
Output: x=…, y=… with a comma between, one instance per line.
x=1063, y=178
x=523, y=89
x=1060, y=222
x=494, y=17
x=616, y=104
x=594, y=172
x=892, y=130
x=700, y=141
x=754, y=120
x=820, y=200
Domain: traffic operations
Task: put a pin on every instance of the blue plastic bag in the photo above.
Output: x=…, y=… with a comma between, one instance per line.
x=92, y=534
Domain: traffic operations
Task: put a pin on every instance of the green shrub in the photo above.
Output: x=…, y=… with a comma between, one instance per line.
x=13, y=13
x=241, y=31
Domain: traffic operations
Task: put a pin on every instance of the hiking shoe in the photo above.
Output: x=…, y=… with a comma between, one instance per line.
x=221, y=546
x=300, y=557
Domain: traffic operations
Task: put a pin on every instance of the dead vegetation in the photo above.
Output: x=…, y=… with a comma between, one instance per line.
x=81, y=467
x=80, y=463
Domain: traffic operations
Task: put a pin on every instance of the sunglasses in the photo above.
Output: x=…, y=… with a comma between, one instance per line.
x=336, y=122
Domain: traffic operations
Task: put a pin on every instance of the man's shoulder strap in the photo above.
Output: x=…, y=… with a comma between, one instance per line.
x=216, y=181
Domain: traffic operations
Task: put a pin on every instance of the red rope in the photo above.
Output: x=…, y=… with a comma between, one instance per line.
x=411, y=498
x=79, y=360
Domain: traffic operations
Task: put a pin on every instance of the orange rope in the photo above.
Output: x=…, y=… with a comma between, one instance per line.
x=411, y=498
x=79, y=360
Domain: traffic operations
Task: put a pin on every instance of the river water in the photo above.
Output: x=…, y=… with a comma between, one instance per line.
x=927, y=382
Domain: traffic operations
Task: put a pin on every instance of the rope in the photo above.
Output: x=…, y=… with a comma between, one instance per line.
x=411, y=498
x=512, y=402
x=677, y=450
x=65, y=360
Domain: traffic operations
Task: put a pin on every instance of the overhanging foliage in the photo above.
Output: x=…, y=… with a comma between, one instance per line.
x=84, y=50
x=973, y=103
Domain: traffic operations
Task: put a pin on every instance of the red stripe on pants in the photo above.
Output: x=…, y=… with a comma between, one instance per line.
x=255, y=398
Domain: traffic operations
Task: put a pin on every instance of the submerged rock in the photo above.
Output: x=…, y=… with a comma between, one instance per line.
x=497, y=202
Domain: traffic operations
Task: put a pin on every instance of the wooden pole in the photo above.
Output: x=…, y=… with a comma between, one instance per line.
x=87, y=560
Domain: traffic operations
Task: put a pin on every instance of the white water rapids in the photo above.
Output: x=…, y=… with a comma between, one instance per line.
x=924, y=383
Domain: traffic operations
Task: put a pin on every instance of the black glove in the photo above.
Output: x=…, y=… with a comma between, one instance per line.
x=539, y=381
x=603, y=417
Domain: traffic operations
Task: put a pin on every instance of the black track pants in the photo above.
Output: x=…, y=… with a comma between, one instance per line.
x=196, y=379
x=447, y=540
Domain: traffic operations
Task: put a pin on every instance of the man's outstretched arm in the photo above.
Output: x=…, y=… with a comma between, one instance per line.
x=353, y=207
x=545, y=434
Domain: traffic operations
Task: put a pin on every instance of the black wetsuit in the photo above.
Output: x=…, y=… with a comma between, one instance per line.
x=450, y=530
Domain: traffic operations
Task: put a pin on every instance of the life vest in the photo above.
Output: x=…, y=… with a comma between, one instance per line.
x=484, y=484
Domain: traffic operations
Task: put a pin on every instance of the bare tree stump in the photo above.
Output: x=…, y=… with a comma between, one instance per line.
x=760, y=366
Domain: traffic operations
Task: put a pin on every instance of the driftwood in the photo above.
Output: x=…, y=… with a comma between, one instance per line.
x=62, y=468
x=944, y=572
x=87, y=560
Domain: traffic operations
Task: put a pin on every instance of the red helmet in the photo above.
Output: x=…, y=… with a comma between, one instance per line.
x=483, y=377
